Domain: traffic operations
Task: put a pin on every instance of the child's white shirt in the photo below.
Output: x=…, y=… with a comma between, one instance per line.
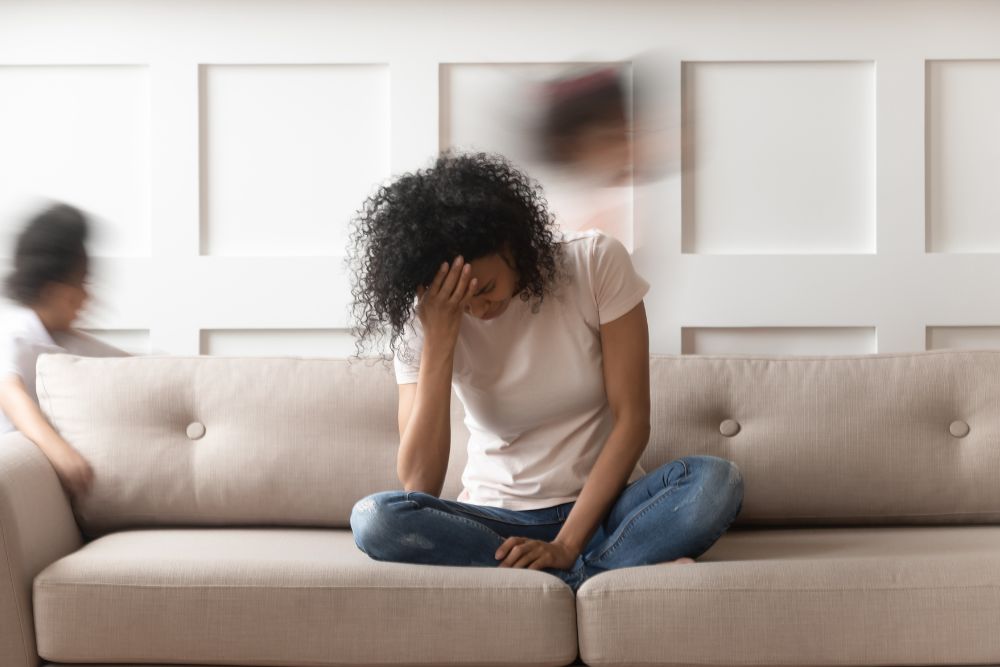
x=23, y=338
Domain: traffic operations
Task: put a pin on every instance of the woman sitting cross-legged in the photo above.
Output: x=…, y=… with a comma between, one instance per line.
x=543, y=336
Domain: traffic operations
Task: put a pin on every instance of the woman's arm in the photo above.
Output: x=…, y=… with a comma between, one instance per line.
x=425, y=423
x=625, y=344
x=425, y=411
x=73, y=470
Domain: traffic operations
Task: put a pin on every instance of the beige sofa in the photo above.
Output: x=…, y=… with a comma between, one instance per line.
x=217, y=532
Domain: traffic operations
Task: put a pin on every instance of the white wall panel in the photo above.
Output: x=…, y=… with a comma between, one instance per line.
x=963, y=156
x=838, y=175
x=779, y=340
x=781, y=157
x=964, y=337
x=79, y=134
x=288, y=153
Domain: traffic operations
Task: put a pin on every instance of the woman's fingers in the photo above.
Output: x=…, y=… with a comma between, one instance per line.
x=527, y=552
x=453, y=285
x=438, y=279
x=515, y=550
x=450, y=280
x=504, y=549
x=469, y=293
x=462, y=288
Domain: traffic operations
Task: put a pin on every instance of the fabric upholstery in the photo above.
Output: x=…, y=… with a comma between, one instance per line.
x=907, y=595
x=869, y=487
x=290, y=441
x=286, y=441
x=839, y=440
x=291, y=597
x=36, y=529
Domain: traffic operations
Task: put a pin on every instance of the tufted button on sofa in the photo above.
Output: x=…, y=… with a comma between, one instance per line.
x=729, y=428
x=959, y=429
x=195, y=431
x=217, y=531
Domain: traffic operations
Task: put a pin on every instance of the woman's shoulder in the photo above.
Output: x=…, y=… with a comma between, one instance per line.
x=577, y=253
x=577, y=245
x=590, y=247
x=572, y=236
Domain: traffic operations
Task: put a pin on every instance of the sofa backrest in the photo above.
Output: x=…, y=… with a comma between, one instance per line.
x=872, y=439
x=227, y=441
x=849, y=440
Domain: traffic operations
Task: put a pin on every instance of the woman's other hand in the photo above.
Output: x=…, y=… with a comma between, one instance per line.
x=535, y=554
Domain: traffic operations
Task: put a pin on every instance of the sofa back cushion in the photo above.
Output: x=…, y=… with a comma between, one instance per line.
x=872, y=439
x=228, y=441
x=851, y=440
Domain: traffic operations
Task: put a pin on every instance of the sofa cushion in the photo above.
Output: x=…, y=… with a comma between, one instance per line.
x=290, y=597
x=839, y=439
x=178, y=441
x=805, y=596
x=289, y=441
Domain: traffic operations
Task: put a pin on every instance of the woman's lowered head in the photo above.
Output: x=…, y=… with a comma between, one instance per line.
x=476, y=206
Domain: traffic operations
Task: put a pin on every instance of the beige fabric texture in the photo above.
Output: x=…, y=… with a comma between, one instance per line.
x=36, y=529
x=864, y=442
x=907, y=595
x=289, y=441
x=291, y=597
x=840, y=440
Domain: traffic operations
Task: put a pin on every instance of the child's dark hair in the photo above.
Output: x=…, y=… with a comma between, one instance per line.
x=50, y=249
x=473, y=205
x=574, y=102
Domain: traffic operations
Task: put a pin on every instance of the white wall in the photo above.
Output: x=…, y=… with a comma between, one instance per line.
x=841, y=160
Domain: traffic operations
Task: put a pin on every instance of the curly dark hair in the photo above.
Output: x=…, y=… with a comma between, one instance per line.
x=50, y=249
x=469, y=204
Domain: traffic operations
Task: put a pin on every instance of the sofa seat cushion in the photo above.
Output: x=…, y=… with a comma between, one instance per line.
x=273, y=596
x=817, y=596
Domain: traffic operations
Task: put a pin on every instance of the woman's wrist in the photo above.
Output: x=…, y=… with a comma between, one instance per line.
x=568, y=544
x=438, y=350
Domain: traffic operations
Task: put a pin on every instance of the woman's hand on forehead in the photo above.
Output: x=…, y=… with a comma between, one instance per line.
x=442, y=304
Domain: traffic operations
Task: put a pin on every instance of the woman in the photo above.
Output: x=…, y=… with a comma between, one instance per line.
x=544, y=337
x=46, y=290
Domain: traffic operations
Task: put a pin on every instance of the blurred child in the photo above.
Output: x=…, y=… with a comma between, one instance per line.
x=47, y=290
x=584, y=126
x=581, y=137
x=598, y=139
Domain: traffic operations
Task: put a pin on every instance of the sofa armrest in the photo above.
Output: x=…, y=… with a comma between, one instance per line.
x=37, y=528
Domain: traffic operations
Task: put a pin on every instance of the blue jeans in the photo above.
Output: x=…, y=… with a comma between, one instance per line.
x=679, y=509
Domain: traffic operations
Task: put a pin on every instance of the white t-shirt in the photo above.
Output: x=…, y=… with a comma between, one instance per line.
x=23, y=338
x=532, y=384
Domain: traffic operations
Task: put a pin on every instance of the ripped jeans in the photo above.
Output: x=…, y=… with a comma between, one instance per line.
x=679, y=509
